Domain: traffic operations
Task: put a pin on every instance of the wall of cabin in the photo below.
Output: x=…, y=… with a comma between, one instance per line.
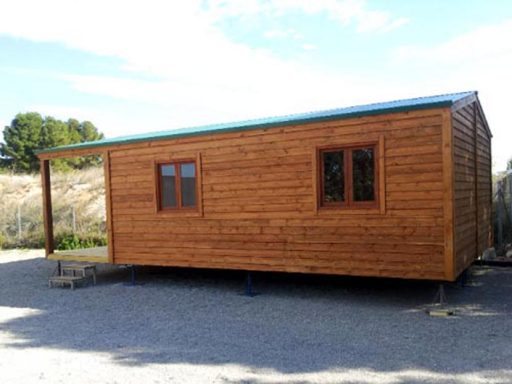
x=259, y=208
x=472, y=189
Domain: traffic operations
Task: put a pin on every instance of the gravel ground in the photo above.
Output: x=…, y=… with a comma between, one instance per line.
x=194, y=326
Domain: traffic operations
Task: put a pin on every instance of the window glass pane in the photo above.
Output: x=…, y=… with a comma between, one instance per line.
x=188, y=184
x=363, y=174
x=333, y=177
x=168, y=186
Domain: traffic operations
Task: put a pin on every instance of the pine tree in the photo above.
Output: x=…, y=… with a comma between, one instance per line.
x=22, y=138
x=29, y=132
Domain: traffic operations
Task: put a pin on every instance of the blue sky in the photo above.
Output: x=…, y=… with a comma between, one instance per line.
x=133, y=67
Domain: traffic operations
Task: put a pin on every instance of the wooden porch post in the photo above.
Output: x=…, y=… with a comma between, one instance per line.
x=108, y=206
x=47, y=207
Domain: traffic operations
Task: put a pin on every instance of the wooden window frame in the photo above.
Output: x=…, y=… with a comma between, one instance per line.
x=349, y=204
x=195, y=210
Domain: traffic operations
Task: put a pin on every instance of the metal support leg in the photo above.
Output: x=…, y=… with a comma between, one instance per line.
x=464, y=278
x=439, y=308
x=59, y=268
x=133, y=274
x=248, y=286
x=440, y=296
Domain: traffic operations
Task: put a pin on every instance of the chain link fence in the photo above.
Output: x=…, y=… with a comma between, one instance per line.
x=502, y=213
x=78, y=205
x=22, y=227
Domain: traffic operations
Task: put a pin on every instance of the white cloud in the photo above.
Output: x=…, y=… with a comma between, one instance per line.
x=289, y=33
x=343, y=11
x=200, y=76
x=199, y=72
x=380, y=21
x=477, y=60
x=308, y=47
x=202, y=103
x=180, y=45
x=483, y=43
x=171, y=42
x=106, y=120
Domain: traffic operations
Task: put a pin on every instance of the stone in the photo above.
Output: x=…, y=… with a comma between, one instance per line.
x=489, y=254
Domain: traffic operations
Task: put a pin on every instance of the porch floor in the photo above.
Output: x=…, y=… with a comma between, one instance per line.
x=90, y=255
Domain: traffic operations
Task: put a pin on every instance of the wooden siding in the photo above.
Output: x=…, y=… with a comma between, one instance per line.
x=472, y=158
x=484, y=183
x=259, y=202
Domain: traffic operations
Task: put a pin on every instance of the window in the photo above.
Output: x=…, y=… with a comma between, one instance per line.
x=177, y=185
x=348, y=177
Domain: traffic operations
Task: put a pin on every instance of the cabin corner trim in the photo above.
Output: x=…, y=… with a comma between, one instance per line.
x=448, y=196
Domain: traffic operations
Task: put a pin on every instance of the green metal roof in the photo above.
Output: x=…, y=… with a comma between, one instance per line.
x=332, y=114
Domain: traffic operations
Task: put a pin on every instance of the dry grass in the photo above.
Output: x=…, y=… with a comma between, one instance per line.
x=80, y=191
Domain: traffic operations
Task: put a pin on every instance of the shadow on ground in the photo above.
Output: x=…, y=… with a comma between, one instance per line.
x=297, y=323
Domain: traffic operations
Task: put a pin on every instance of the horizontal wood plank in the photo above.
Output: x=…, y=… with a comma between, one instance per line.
x=259, y=204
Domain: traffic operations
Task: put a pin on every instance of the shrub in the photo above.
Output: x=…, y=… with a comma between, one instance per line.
x=3, y=240
x=67, y=241
x=78, y=205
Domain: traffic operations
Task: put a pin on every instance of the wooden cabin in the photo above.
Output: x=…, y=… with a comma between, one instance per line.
x=398, y=189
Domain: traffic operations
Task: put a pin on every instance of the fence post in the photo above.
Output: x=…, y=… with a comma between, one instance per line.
x=499, y=213
x=508, y=197
x=500, y=228
x=18, y=220
x=73, y=218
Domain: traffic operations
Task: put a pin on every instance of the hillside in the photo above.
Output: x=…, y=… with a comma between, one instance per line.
x=78, y=199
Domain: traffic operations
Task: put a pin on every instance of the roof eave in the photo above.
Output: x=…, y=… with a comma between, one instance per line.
x=464, y=101
x=170, y=135
x=473, y=98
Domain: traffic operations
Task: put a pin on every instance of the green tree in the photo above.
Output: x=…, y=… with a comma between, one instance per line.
x=22, y=138
x=55, y=133
x=29, y=132
x=85, y=131
x=74, y=130
x=88, y=132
